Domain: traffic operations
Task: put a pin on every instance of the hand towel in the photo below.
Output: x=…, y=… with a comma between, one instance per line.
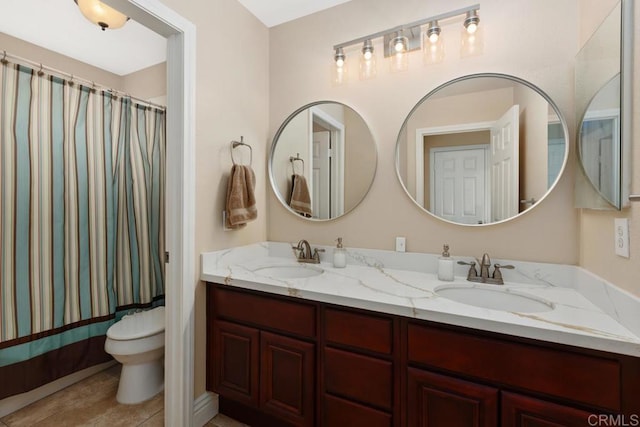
x=300, y=198
x=241, y=200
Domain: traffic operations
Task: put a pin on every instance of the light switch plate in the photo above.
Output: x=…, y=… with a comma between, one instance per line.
x=622, y=237
x=401, y=244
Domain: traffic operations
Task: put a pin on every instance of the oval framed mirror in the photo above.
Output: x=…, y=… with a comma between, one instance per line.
x=323, y=160
x=603, y=73
x=481, y=149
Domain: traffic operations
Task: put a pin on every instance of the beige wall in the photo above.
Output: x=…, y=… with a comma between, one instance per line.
x=148, y=83
x=59, y=62
x=360, y=159
x=232, y=56
x=300, y=60
x=596, y=227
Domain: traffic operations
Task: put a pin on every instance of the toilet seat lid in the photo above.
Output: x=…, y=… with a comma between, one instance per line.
x=138, y=325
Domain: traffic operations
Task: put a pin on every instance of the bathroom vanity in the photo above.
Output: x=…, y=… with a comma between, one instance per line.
x=306, y=351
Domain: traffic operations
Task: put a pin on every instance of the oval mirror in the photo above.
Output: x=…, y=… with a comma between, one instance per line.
x=323, y=160
x=599, y=141
x=481, y=149
x=602, y=82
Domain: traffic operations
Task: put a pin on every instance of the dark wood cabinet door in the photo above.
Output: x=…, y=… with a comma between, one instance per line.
x=523, y=411
x=236, y=362
x=436, y=400
x=287, y=378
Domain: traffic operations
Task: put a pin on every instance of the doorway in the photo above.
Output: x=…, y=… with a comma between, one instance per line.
x=180, y=200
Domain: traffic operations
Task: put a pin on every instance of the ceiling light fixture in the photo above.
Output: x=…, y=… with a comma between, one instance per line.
x=101, y=14
x=471, y=21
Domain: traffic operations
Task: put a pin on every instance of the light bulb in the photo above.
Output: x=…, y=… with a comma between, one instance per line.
x=471, y=21
x=399, y=46
x=433, y=38
x=339, y=57
x=367, y=50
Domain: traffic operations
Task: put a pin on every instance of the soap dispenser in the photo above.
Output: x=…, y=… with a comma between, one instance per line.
x=339, y=255
x=445, y=265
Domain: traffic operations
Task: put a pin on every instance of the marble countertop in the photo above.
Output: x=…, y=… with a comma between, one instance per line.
x=406, y=284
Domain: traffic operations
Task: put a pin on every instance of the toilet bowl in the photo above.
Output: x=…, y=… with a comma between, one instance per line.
x=137, y=341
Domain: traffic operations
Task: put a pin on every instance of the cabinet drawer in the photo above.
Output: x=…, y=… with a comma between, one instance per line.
x=362, y=378
x=340, y=412
x=359, y=330
x=265, y=312
x=569, y=375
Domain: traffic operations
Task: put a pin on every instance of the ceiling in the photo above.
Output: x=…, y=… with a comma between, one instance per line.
x=59, y=26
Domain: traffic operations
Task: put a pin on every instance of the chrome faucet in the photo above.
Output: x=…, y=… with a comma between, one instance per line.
x=484, y=276
x=304, y=253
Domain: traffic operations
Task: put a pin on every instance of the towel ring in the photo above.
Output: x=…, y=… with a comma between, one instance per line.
x=235, y=144
x=293, y=162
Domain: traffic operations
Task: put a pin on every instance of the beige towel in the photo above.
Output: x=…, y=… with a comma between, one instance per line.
x=300, y=198
x=241, y=200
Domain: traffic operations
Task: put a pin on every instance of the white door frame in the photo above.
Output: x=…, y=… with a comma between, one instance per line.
x=180, y=201
x=337, y=153
x=438, y=130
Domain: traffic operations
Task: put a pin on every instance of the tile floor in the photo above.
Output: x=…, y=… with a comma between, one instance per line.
x=92, y=402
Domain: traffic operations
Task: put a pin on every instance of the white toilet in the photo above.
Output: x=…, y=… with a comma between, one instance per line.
x=137, y=341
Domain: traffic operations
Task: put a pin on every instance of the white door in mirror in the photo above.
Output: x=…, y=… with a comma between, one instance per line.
x=622, y=237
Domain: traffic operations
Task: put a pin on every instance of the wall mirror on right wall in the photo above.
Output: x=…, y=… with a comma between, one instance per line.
x=481, y=149
x=603, y=109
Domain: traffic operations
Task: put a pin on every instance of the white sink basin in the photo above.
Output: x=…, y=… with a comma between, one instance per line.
x=289, y=271
x=494, y=297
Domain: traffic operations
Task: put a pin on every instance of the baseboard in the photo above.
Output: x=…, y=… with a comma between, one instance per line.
x=205, y=407
x=19, y=401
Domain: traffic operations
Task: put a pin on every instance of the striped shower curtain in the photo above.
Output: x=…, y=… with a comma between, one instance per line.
x=81, y=222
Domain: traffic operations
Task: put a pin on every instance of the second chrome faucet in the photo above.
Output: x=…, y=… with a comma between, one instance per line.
x=484, y=276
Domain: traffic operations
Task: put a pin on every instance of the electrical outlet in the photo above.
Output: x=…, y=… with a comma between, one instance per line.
x=401, y=244
x=622, y=237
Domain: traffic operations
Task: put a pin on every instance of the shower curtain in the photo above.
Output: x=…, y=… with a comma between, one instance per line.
x=81, y=222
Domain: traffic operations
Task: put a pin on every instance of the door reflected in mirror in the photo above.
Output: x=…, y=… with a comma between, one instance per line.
x=323, y=161
x=481, y=149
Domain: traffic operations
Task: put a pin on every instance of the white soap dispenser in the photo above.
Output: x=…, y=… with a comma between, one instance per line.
x=445, y=265
x=339, y=255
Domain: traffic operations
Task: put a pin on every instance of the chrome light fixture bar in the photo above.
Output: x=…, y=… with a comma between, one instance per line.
x=411, y=31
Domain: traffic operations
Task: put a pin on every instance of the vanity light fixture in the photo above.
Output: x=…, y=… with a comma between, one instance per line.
x=339, y=57
x=367, y=61
x=367, y=50
x=399, y=43
x=340, y=67
x=402, y=39
x=102, y=15
x=471, y=21
x=433, y=32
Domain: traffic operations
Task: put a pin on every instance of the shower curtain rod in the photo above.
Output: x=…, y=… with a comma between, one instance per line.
x=39, y=67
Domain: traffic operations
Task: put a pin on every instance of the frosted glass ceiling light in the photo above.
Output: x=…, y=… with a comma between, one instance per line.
x=433, y=32
x=471, y=21
x=101, y=14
